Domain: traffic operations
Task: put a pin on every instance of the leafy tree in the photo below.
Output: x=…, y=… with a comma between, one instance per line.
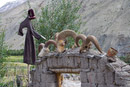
x=3, y=49
x=2, y=53
x=56, y=16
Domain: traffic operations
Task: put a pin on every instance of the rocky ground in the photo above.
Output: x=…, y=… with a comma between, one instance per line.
x=71, y=83
x=71, y=80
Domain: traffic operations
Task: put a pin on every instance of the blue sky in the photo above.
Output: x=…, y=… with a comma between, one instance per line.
x=3, y=2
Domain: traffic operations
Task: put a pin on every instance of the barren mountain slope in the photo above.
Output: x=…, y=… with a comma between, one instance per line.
x=108, y=20
x=10, y=5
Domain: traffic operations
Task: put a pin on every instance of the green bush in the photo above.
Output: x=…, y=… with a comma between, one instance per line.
x=56, y=16
x=15, y=52
x=3, y=54
x=3, y=49
x=126, y=58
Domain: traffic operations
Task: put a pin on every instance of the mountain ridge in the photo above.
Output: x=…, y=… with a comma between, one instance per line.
x=11, y=5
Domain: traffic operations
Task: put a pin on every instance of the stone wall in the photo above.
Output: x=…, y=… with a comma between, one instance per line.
x=94, y=69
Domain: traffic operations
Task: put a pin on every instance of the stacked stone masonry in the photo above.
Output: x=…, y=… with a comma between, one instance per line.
x=94, y=69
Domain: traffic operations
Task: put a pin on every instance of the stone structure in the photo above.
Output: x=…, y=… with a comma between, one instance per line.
x=94, y=69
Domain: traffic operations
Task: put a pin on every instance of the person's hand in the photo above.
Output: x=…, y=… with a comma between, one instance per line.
x=43, y=37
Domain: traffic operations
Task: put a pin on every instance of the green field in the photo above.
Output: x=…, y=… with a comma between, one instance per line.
x=12, y=67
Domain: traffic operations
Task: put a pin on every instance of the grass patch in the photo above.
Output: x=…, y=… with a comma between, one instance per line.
x=14, y=59
x=13, y=66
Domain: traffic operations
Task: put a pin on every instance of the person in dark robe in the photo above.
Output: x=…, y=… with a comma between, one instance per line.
x=29, y=48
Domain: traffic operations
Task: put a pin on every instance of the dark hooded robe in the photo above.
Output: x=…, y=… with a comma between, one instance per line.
x=29, y=48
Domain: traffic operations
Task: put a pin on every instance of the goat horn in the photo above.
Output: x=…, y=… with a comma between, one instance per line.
x=66, y=33
x=82, y=37
x=94, y=40
x=56, y=35
x=40, y=47
x=50, y=42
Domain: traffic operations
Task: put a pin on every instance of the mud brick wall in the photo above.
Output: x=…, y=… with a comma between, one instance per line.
x=94, y=69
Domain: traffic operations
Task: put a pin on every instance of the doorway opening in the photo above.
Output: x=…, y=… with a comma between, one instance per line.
x=68, y=80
